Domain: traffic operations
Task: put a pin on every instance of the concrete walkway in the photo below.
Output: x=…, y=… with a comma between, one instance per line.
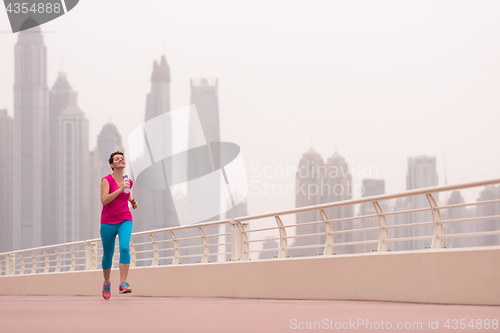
x=126, y=313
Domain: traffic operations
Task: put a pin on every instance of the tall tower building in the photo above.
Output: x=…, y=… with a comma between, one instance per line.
x=157, y=206
x=74, y=188
x=61, y=96
x=205, y=97
x=108, y=141
x=5, y=181
x=310, y=178
x=339, y=181
x=421, y=173
x=31, y=138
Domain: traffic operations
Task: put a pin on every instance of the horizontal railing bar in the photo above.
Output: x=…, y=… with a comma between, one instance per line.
x=407, y=211
x=353, y=218
x=138, y=244
x=408, y=225
x=408, y=238
x=219, y=254
x=470, y=204
x=164, y=241
x=191, y=255
x=304, y=247
x=218, y=244
x=186, y=238
x=165, y=249
x=303, y=224
x=354, y=230
x=477, y=218
x=263, y=250
x=357, y=242
x=145, y=251
x=262, y=240
x=226, y=234
x=143, y=259
x=305, y=235
x=479, y=233
x=190, y=247
x=264, y=229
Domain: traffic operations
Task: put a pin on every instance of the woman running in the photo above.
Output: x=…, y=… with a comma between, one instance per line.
x=116, y=219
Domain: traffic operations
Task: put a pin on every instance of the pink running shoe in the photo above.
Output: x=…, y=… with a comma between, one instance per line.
x=125, y=288
x=106, y=290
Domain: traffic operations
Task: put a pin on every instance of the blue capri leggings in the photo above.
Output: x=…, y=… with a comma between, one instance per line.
x=108, y=236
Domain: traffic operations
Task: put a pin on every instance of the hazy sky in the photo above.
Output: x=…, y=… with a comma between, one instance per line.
x=379, y=80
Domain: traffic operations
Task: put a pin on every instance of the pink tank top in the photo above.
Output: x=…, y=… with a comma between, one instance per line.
x=117, y=210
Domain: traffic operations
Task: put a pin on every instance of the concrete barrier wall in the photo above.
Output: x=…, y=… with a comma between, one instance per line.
x=446, y=276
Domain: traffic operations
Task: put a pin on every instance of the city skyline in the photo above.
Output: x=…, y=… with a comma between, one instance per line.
x=263, y=112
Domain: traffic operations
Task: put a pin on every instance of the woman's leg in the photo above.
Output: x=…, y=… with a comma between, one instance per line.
x=124, y=234
x=108, y=235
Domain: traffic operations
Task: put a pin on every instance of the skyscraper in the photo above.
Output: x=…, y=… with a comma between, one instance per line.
x=31, y=138
x=310, y=178
x=205, y=97
x=74, y=188
x=157, y=206
x=108, y=141
x=5, y=181
x=61, y=96
x=339, y=188
x=421, y=173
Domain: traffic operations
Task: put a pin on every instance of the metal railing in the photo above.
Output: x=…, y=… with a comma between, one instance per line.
x=162, y=246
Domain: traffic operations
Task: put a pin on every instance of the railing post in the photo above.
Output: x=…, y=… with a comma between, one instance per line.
x=10, y=264
x=90, y=255
x=47, y=262
x=329, y=243
x=72, y=267
x=156, y=253
x=58, y=260
x=437, y=230
x=177, y=251
x=235, y=241
x=283, y=239
x=33, y=263
x=23, y=266
x=383, y=232
x=206, y=248
x=239, y=241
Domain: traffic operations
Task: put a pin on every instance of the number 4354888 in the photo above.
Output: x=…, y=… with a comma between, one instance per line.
x=473, y=324
x=23, y=7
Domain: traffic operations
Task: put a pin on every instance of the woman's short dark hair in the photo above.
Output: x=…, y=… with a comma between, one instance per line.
x=111, y=157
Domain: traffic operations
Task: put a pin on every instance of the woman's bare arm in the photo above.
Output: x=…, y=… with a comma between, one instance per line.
x=107, y=197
